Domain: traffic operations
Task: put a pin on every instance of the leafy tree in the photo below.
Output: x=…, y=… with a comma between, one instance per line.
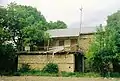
x=107, y=46
x=7, y=58
x=19, y=17
x=20, y=24
x=113, y=24
x=102, y=50
x=35, y=36
x=4, y=34
x=57, y=25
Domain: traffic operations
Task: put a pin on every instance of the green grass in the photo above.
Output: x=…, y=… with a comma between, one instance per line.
x=77, y=74
x=34, y=73
x=62, y=74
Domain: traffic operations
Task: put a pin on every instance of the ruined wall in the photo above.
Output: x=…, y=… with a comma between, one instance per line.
x=64, y=61
x=85, y=41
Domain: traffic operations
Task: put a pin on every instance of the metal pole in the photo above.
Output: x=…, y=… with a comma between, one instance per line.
x=80, y=19
x=80, y=26
x=79, y=36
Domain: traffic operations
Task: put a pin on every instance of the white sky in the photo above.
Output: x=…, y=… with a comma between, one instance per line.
x=95, y=12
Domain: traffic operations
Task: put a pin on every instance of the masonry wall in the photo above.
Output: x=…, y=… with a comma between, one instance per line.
x=85, y=41
x=64, y=61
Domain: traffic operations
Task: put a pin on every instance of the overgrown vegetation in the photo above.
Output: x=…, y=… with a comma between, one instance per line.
x=51, y=68
x=20, y=26
x=26, y=25
x=51, y=71
x=7, y=59
x=24, y=68
x=60, y=74
x=104, y=51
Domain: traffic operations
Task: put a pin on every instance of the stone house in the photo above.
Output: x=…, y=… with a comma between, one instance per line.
x=66, y=48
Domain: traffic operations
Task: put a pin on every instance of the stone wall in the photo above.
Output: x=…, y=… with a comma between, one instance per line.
x=64, y=61
x=85, y=41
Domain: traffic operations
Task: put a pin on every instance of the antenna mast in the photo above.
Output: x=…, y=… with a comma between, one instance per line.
x=80, y=26
x=80, y=19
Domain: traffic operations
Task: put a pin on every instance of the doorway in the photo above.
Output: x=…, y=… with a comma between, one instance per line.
x=78, y=62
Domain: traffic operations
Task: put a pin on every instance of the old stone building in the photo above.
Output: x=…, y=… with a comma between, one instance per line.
x=67, y=49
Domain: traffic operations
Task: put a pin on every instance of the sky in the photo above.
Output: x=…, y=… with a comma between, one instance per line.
x=95, y=12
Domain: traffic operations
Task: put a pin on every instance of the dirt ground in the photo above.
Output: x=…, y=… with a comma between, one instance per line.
x=40, y=78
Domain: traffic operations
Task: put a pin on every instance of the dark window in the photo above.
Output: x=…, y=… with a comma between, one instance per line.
x=61, y=42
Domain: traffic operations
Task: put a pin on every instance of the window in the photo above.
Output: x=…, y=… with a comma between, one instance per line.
x=61, y=42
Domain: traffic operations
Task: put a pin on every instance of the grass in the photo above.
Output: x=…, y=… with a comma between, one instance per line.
x=77, y=74
x=34, y=73
x=62, y=74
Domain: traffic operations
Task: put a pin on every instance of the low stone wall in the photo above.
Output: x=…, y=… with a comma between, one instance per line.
x=38, y=61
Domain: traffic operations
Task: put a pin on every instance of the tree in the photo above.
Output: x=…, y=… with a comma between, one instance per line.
x=7, y=58
x=101, y=51
x=7, y=51
x=4, y=34
x=106, y=47
x=19, y=17
x=57, y=25
x=35, y=36
x=113, y=24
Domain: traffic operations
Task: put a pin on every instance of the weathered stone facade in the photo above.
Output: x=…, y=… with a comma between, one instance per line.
x=38, y=61
x=85, y=41
x=65, y=60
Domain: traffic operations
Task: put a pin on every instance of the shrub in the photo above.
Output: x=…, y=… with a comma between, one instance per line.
x=7, y=59
x=51, y=68
x=24, y=68
x=115, y=74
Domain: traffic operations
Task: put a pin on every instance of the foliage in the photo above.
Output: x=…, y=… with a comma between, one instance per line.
x=20, y=25
x=34, y=36
x=113, y=24
x=35, y=72
x=4, y=34
x=7, y=58
x=103, y=58
x=101, y=51
x=57, y=25
x=61, y=74
x=106, y=45
x=19, y=17
x=51, y=68
x=7, y=50
x=24, y=68
x=116, y=74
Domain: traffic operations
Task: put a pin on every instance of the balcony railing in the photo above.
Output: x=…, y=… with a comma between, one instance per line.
x=56, y=48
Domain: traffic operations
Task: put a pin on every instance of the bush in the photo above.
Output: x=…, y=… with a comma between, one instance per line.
x=115, y=74
x=25, y=68
x=7, y=59
x=51, y=68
